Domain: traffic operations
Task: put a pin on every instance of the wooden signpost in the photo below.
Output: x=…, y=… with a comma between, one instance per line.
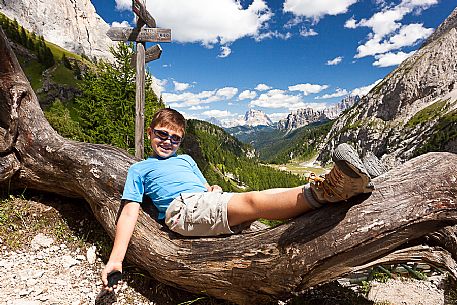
x=140, y=35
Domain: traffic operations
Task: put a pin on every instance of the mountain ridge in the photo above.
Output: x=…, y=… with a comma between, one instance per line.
x=399, y=118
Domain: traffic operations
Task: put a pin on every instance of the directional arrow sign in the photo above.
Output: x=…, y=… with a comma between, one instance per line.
x=139, y=35
x=140, y=10
x=151, y=54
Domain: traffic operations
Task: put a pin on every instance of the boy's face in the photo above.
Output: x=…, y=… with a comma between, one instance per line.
x=165, y=141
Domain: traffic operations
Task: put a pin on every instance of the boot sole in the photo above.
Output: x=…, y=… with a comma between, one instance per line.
x=373, y=165
x=347, y=159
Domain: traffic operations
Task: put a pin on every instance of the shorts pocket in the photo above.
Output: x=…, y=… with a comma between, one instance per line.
x=198, y=210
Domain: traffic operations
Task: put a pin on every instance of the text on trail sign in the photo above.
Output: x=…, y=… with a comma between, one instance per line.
x=139, y=35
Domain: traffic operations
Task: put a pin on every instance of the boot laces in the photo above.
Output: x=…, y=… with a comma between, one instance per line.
x=332, y=184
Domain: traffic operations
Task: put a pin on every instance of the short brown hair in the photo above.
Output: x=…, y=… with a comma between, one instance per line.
x=167, y=117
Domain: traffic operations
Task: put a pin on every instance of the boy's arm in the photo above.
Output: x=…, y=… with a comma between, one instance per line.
x=124, y=230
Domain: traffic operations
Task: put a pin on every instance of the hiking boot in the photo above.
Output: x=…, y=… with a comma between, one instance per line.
x=373, y=165
x=348, y=177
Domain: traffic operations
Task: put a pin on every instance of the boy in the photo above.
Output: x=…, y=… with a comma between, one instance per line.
x=191, y=207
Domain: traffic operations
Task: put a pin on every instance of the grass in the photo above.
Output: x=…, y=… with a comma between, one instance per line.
x=22, y=219
x=427, y=114
x=63, y=75
x=58, y=52
x=33, y=69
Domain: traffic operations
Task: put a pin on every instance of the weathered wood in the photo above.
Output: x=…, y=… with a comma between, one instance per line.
x=409, y=203
x=139, y=102
x=139, y=35
x=150, y=54
x=140, y=10
x=153, y=53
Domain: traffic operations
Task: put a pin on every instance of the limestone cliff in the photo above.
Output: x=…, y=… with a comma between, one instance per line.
x=412, y=110
x=72, y=24
x=306, y=116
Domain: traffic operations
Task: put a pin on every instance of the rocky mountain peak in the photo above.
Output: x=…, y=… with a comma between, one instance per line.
x=448, y=24
x=255, y=117
x=412, y=110
x=306, y=116
x=71, y=24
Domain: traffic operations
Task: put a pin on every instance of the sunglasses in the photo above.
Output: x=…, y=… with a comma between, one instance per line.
x=163, y=135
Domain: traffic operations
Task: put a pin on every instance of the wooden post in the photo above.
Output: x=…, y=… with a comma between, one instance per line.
x=140, y=35
x=139, y=99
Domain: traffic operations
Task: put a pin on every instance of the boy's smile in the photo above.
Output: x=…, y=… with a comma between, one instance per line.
x=164, y=141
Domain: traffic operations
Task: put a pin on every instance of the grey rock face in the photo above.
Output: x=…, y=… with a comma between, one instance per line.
x=403, y=111
x=303, y=117
x=254, y=117
x=71, y=24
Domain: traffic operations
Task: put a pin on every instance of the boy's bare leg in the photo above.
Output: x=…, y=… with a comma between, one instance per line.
x=269, y=204
x=348, y=177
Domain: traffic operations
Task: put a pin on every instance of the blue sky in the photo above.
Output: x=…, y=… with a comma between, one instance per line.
x=227, y=56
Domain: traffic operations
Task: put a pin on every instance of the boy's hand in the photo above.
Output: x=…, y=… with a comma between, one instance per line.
x=110, y=267
x=214, y=188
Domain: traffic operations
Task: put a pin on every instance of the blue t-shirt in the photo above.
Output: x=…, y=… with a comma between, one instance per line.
x=163, y=180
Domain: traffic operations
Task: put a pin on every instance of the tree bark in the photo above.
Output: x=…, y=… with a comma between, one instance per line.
x=406, y=212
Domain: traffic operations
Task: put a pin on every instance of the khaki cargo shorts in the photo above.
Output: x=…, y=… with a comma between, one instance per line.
x=199, y=214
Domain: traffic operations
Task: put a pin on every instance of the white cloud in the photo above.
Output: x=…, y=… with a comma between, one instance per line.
x=334, y=61
x=361, y=91
x=307, y=88
x=262, y=87
x=307, y=32
x=388, y=33
x=408, y=35
x=122, y=5
x=210, y=22
x=198, y=107
x=278, y=99
x=351, y=23
x=391, y=59
x=227, y=92
x=217, y=113
x=122, y=24
x=338, y=93
x=158, y=85
x=275, y=117
x=317, y=9
x=225, y=51
x=180, y=86
x=188, y=116
x=247, y=94
x=188, y=99
x=275, y=34
x=293, y=22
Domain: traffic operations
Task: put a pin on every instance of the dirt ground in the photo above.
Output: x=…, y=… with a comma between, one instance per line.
x=53, y=250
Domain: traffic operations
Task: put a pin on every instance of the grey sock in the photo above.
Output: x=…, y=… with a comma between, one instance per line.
x=308, y=193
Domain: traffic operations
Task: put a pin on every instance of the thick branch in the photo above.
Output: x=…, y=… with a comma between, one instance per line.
x=409, y=202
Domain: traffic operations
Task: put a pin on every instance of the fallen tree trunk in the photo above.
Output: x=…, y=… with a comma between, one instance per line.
x=409, y=203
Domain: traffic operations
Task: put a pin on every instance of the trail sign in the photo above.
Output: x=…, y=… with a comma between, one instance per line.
x=139, y=35
x=140, y=10
x=153, y=53
x=150, y=54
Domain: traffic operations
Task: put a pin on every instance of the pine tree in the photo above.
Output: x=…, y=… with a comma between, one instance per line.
x=107, y=104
